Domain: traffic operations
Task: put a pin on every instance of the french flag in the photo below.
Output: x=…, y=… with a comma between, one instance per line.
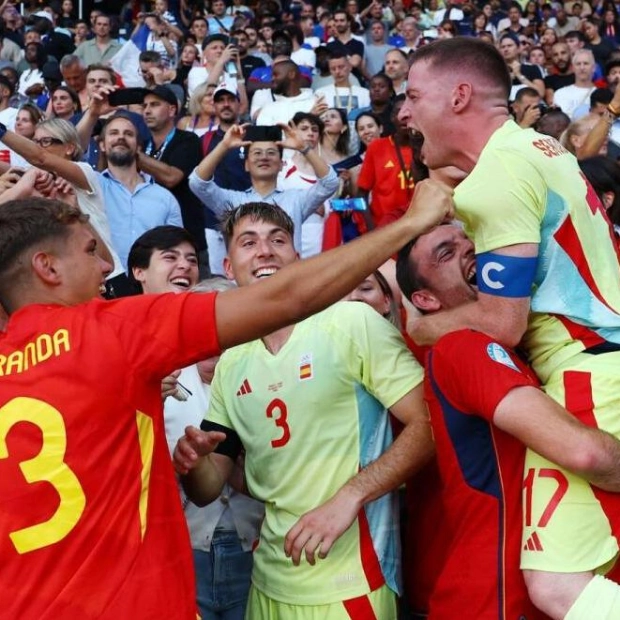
x=126, y=61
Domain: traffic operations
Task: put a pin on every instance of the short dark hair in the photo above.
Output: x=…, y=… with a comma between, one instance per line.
x=612, y=64
x=313, y=119
x=600, y=95
x=526, y=92
x=407, y=276
x=256, y=211
x=467, y=55
x=125, y=115
x=25, y=224
x=158, y=238
x=149, y=56
x=575, y=34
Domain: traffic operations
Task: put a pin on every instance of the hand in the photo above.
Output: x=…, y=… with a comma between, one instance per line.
x=35, y=90
x=530, y=116
x=293, y=138
x=233, y=138
x=157, y=74
x=65, y=192
x=515, y=68
x=320, y=105
x=169, y=386
x=99, y=100
x=194, y=445
x=44, y=182
x=10, y=178
x=320, y=528
x=432, y=203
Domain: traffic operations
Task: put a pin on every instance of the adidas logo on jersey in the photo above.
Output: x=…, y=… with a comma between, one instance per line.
x=390, y=164
x=533, y=543
x=245, y=388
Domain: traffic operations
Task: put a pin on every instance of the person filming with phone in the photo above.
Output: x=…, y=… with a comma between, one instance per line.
x=263, y=147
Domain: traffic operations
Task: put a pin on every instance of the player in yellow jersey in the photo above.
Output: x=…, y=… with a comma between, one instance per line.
x=308, y=404
x=547, y=272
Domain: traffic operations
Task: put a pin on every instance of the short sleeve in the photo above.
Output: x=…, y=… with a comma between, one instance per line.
x=475, y=373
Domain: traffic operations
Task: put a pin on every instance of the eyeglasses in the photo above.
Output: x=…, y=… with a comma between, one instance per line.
x=46, y=141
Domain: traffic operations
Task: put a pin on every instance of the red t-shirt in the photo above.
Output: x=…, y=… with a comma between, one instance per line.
x=481, y=467
x=91, y=524
x=383, y=175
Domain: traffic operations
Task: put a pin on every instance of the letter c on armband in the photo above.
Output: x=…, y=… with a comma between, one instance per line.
x=505, y=276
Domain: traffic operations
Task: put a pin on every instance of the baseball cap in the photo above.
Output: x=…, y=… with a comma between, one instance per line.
x=162, y=92
x=212, y=38
x=223, y=90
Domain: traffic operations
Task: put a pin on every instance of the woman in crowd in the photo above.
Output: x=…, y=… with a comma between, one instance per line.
x=335, y=141
x=28, y=116
x=201, y=117
x=368, y=128
x=376, y=292
x=65, y=104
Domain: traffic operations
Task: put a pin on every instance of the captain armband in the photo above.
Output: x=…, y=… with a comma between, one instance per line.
x=505, y=276
x=231, y=446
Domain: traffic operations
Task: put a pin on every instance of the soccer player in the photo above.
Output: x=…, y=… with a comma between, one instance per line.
x=482, y=413
x=91, y=525
x=308, y=404
x=543, y=243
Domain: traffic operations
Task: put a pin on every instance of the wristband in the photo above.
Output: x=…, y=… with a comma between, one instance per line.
x=3, y=130
x=613, y=110
x=305, y=150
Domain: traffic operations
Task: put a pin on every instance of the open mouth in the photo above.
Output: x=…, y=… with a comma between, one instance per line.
x=184, y=283
x=265, y=272
x=472, y=278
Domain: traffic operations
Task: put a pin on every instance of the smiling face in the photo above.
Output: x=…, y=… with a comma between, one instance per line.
x=263, y=161
x=173, y=270
x=367, y=128
x=120, y=142
x=256, y=250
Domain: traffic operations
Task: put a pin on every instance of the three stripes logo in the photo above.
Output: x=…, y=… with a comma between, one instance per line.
x=533, y=543
x=245, y=388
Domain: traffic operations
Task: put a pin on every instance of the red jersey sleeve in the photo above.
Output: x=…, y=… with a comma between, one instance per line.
x=161, y=333
x=366, y=178
x=475, y=373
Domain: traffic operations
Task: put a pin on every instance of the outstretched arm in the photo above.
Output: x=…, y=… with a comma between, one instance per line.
x=310, y=285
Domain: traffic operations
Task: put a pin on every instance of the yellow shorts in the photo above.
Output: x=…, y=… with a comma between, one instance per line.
x=378, y=605
x=568, y=525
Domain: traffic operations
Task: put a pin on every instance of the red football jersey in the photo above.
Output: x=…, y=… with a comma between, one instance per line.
x=468, y=375
x=91, y=524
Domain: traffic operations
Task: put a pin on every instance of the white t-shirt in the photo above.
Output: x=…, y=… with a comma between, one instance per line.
x=283, y=109
x=200, y=75
x=569, y=98
x=91, y=203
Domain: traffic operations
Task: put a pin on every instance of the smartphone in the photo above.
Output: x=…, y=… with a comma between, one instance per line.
x=348, y=163
x=126, y=96
x=234, y=41
x=348, y=204
x=263, y=133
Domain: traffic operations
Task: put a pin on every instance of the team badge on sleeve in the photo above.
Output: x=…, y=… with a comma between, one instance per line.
x=305, y=367
x=498, y=354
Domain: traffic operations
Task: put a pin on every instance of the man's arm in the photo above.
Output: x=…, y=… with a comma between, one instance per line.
x=504, y=318
x=164, y=174
x=413, y=448
x=98, y=105
x=310, y=285
x=543, y=425
x=203, y=473
x=233, y=138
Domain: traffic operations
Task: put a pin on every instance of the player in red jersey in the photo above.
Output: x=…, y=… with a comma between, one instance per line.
x=91, y=525
x=485, y=408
